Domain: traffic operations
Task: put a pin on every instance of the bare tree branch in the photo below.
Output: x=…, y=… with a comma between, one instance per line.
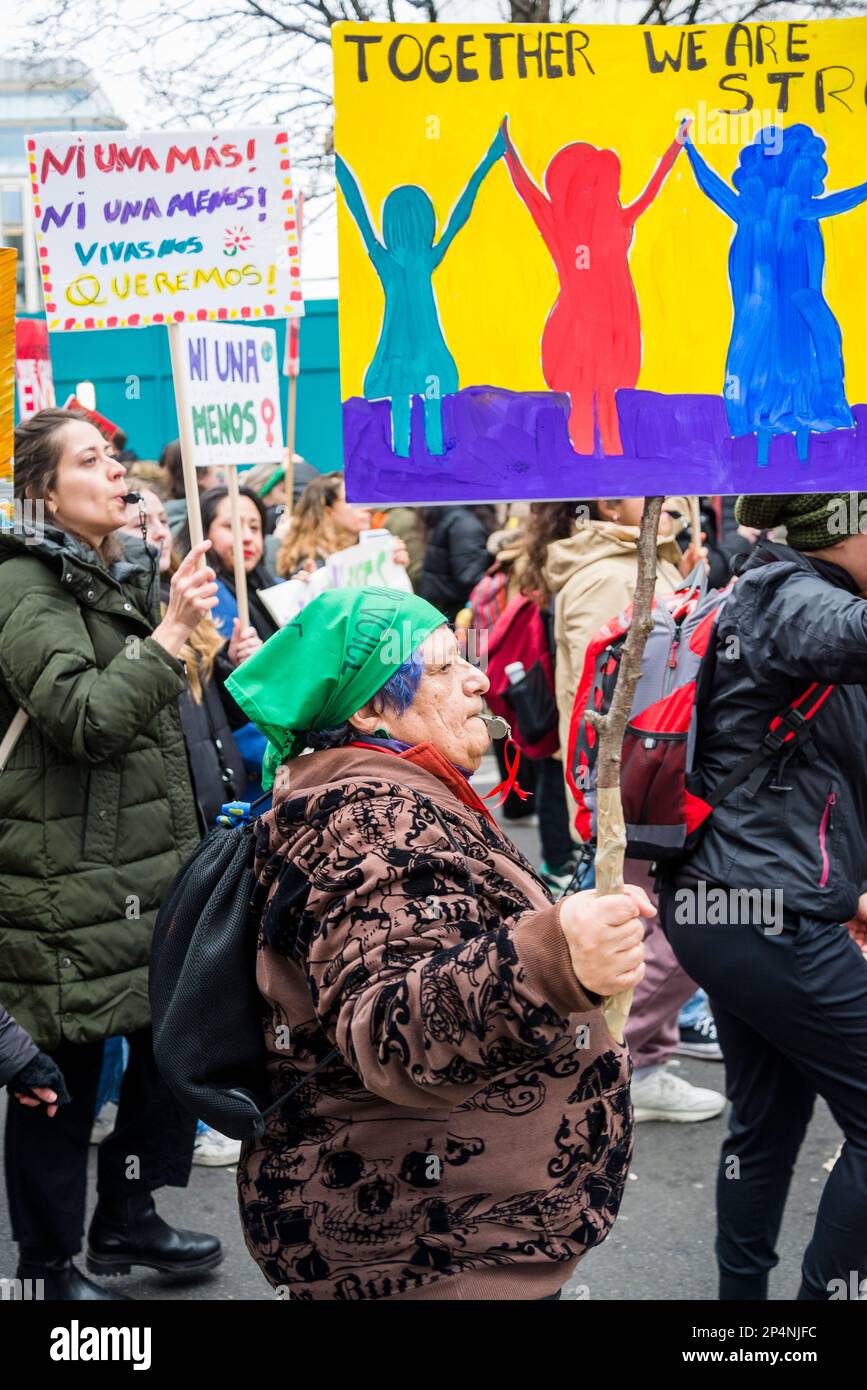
x=610, y=825
x=207, y=62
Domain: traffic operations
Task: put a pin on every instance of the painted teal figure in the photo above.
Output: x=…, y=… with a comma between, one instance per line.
x=411, y=357
x=784, y=369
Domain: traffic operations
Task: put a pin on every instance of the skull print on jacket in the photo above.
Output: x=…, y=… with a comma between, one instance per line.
x=472, y=1137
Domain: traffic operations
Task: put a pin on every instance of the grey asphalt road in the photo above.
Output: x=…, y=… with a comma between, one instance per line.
x=661, y=1246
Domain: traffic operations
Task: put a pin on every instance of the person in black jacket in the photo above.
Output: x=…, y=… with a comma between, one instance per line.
x=217, y=528
x=208, y=712
x=456, y=555
x=757, y=912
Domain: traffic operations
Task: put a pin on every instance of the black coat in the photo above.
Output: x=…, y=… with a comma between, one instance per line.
x=456, y=557
x=216, y=766
x=17, y=1048
x=789, y=621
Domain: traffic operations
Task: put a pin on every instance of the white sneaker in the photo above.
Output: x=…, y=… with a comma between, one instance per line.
x=662, y=1095
x=104, y=1123
x=214, y=1150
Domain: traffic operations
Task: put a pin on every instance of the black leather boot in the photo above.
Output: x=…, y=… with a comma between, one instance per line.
x=62, y=1282
x=129, y=1232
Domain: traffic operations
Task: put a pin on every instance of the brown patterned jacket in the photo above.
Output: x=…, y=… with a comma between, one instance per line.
x=472, y=1138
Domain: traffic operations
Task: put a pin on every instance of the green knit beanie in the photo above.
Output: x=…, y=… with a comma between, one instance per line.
x=812, y=520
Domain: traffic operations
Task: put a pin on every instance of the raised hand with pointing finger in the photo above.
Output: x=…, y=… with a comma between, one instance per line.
x=192, y=595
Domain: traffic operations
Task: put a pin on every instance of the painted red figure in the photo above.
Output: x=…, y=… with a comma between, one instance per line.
x=591, y=345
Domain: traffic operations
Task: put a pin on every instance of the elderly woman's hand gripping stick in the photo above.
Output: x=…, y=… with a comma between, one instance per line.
x=605, y=937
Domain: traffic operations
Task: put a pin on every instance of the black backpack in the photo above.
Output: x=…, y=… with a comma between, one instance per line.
x=209, y=1040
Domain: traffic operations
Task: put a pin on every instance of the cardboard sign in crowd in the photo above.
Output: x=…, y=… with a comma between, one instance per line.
x=194, y=231
x=136, y=229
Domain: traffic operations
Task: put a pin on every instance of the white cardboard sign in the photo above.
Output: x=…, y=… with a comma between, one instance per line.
x=369, y=562
x=158, y=227
x=232, y=393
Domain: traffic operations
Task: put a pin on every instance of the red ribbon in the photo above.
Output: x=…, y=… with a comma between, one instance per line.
x=509, y=783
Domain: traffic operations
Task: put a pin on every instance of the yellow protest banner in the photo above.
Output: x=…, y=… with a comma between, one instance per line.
x=7, y=359
x=599, y=260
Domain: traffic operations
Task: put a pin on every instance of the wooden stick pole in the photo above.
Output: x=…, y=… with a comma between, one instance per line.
x=290, y=441
x=695, y=520
x=293, y=359
x=12, y=735
x=185, y=433
x=238, y=548
x=610, y=825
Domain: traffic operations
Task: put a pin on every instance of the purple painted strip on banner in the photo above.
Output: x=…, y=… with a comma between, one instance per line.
x=504, y=446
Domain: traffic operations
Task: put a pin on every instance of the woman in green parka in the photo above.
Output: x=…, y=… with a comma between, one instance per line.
x=96, y=815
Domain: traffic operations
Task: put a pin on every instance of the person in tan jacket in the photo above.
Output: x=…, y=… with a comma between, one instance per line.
x=592, y=575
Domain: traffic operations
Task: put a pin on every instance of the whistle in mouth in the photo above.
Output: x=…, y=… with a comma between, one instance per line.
x=497, y=727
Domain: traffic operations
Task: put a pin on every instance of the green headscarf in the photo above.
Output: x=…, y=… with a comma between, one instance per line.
x=327, y=663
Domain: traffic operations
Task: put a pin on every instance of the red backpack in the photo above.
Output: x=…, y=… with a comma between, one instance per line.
x=489, y=597
x=521, y=634
x=659, y=784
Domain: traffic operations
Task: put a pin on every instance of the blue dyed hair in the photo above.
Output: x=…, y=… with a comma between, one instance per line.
x=396, y=695
x=401, y=688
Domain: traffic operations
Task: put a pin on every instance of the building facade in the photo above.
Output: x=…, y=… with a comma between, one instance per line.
x=36, y=97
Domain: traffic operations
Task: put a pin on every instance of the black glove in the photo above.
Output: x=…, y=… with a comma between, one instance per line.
x=40, y=1071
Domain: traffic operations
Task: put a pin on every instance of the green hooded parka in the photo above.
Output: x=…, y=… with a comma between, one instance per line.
x=96, y=806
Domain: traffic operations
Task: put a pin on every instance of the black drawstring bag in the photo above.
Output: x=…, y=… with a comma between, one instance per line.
x=532, y=703
x=208, y=1015
x=209, y=1042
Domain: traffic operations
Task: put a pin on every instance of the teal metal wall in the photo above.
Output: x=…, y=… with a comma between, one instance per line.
x=132, y=375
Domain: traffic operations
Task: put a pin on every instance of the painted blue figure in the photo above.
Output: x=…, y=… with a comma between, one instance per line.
x=784, y=369
x=411, y=357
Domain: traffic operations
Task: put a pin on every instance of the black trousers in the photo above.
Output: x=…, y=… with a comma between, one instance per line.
x=543, y=778
x=46, y=1159
x=791, y=1014
x=558, y=847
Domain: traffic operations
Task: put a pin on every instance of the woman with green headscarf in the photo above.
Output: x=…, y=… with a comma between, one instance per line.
x=465, y=1127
